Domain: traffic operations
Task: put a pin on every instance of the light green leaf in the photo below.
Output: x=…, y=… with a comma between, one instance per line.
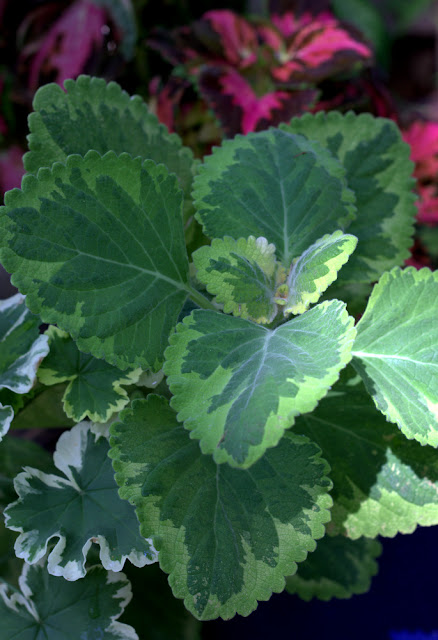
x=379, y=172
x=339, y=568
x=316, y=269
x=97, y=245
x=79, y=506
x=94, y=389
x=242, y=274
x=396, y=351
x=48, y=608
x=384, y=484
x=237, y=385
x=272, y=184
x=91, y=114
x=227, y=537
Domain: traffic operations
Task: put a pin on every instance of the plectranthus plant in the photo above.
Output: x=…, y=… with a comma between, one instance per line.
x=246, y=374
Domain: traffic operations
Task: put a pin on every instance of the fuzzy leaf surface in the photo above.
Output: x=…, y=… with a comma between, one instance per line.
x=339, y=568
x=383, y=483
x=227, y=537
x=396, y=351
x=316, y=269
x=272, y=184
x=237, y=386
x=48, y=608
x=241, y=274
x=91, y=114
x=98, y=247
x=79, y=506
x=379, y=171
x=94, y=390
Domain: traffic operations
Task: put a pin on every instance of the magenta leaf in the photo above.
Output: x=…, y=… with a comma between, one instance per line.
x=11, y=168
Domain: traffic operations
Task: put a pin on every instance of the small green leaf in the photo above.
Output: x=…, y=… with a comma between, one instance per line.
x=94, y=389
x=98, y=247
x=242, y=275
x=91, y=114
x=396, y=351
x=238, y=386
x=79, y=507
x=316, y=269
x=227, y=537
x=384, y=484
x=55, y=609
x=379, y=171
x=339, y=568
x=272, y=184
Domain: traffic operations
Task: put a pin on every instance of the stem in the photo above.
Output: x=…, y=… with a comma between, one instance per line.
x=200, y=299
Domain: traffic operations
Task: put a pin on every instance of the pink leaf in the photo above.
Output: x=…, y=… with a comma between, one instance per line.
x=237, y=37
x=11, y=168
x=427, y=205
x=422, y=136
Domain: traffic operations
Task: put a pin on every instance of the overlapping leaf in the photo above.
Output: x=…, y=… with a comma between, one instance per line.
x=237, y=385
x=316, y=269
x=16, y=453
x=227, y=537
x=339, y=568
x=396, y=351
x=276, y=185
x=92, y=114
x=379, y=172
x=55, y=609
x=94, y=388
x=78, y=507
x=41, y=408
x=383, y=483
x=97, y=245
x=242, y=274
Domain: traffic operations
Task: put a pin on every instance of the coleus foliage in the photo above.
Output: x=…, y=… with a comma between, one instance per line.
x=280, y=415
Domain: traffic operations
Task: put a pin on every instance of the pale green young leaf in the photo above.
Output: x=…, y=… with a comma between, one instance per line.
x=242, y=274
x=339, y=568
x=379, y=171
x=95, y=387
x=384, y=484
x=272, y=184
x=237, y=386
x=396, y=351
x=316, y=269
x=98, y=247
x=78, y=506
x=91, y=114
x=48, y=608
x=227, y=537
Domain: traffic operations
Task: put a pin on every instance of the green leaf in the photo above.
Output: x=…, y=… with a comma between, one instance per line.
x=54, y=609
x=316, y=269
x=396, y=351
x=227, y=537
x=379, y=171
x=91, y=114
x=123, y=16
x=242, y=274
x=339, y=568
x=41, y=408
x=6, y=417
x=94, y=389
x=384, y=484
x=272, y=184
x=237, y=385
x=97, y=245
x=79, y=507
x=10, y=566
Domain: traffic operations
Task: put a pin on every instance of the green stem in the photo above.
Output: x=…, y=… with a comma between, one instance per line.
x=201, y=300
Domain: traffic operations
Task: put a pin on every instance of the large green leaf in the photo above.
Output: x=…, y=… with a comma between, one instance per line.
x=242, y=274
x=396, y=351
x=316, y=269
x=237, y=385
x=94, y=390
x=383, y=483
x=97, y=245
x=227, y=537
x=78, y=507
x=48, y=608
x=272, y=184
x=91, y=114
x=379, y=171
x=339, y=568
